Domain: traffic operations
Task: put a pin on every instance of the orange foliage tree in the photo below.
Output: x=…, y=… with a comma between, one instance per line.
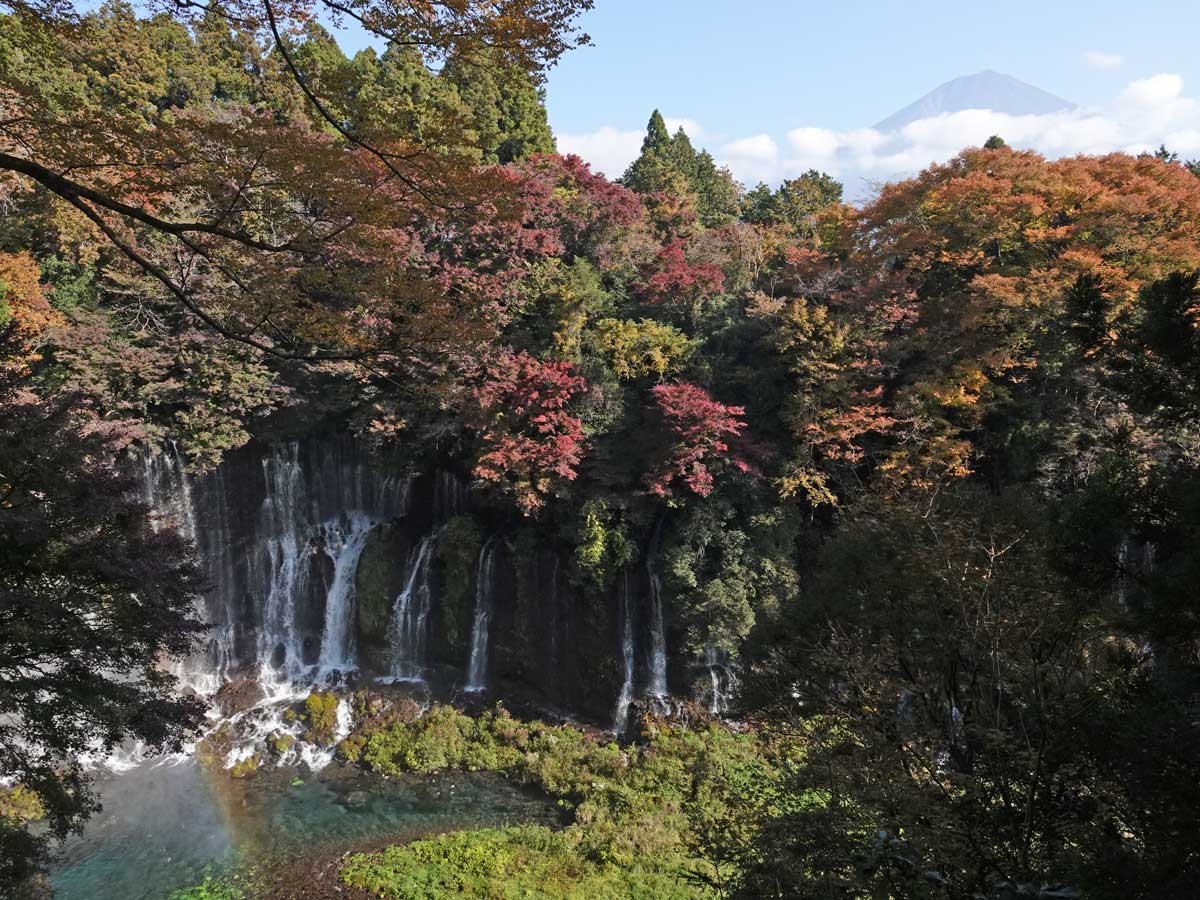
x=966, y=276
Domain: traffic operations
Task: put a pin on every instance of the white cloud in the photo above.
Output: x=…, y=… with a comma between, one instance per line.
x=1100, y=60
x=761, y=146
x=608, y=150
x=611, y=150
x=751, y=158
x=691, y=126
x=1152, y=93
x=1148, y=112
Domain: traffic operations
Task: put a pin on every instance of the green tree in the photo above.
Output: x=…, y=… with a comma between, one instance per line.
x=972, y=716
x=506, y=107
x=796, y=203
x=667, y=161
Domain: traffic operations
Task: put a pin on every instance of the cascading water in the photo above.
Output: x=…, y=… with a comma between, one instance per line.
x=167, y=491
x=621, y=719
x=658, y=638
x=450, y=496
x=344, y=541
x=556, y=617
x=288, y=552
x=318, y=509
x=279, y=534
x=222, y=608
x=410, y=614
x=722, y=678
x=485, y=594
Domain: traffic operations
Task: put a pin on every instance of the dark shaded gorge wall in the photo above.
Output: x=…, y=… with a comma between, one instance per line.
x=308, y=544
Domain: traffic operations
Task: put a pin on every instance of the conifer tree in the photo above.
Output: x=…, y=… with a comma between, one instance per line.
x=505, y=107
x=664, y=160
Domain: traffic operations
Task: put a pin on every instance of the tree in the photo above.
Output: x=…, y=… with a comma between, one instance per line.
x=640, y=349
x=328, y=198
x=506, y=107
x=92, y=599
x=796, y=203
x=975, y=269
x=1164, y=155
x=590, y=215
x=673, y=281
x=667, y=161
x=995, y=142
x=700, y=430
x=971, y=719
x=530, y=440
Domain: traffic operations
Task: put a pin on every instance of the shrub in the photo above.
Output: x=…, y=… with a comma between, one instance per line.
x=212, y=888
x=520, y=862
x=320, y=714
x=19, y=805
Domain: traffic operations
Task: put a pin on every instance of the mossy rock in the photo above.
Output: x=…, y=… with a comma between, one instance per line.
x=320, y=714
x=21, y=805
x=351, y=749
x=457, y=560
x=376, y=583
x=246, y=767
x=212, y=750
x=282, y=744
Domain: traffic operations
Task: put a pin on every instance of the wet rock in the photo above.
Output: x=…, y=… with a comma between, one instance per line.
x=238, y=696
x=357, y=798
x=377, y=581
x=246, y=767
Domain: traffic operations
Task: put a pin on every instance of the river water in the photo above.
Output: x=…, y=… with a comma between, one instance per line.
x=165, y=824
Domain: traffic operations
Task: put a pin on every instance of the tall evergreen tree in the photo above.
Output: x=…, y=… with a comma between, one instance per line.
x=506, y=108
x=665, y=159
x=657, y=139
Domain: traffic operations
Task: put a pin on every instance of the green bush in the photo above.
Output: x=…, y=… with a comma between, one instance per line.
x=528, y=862
x=212, y=888
x=629, y=804
x=18, y=804
x=282, y=744
x=320, y=714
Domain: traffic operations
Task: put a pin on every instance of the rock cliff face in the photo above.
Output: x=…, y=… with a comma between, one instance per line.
x=326, y=563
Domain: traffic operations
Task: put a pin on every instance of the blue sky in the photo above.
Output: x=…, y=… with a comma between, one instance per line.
x=773, y=86
x=771, y=65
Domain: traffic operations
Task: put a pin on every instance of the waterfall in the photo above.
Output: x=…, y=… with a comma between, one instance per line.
x=167, y=491
x=556, y=618
x=278, y=533
x=281, y=521
x=449, y=496
x=658, y=638
x=410, y=613
x=216, y=552
x=344, y=542
x=722, y=679
x=319, y=506
x=485, y=594
x=621, y=719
